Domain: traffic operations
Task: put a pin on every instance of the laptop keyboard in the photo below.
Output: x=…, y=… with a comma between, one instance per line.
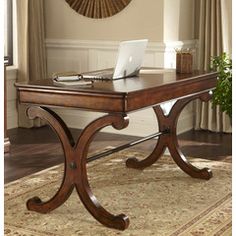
x=99, y=75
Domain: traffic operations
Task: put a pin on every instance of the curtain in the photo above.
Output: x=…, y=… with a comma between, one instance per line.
x=214, y=39
x=31, y=50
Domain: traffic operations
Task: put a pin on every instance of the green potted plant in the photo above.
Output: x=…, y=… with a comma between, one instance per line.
x=222, y=95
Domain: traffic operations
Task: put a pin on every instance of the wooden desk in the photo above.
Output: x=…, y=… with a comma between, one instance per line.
x=117, y=99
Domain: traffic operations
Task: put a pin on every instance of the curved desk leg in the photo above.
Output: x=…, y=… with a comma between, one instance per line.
x=158, y=150
x=63, y=133
x=173, y=146
x=169, y=140
x=121, y=221
x=75, y=173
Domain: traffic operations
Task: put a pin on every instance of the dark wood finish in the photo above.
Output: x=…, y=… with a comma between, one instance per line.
x=130, y=94
x=124, y=146
x=169, y=140
x=124, y=95
x=75, y=174
x=6, y=139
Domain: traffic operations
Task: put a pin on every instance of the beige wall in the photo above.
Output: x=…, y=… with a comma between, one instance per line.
x=140, y=19
x=178, y=20
x=186, y=19
x=157, y=20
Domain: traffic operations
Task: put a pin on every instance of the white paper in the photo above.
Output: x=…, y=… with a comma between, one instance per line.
x=66, y=78
x=72, y=83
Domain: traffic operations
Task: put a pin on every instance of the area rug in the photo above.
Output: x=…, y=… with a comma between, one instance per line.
x=160, y=200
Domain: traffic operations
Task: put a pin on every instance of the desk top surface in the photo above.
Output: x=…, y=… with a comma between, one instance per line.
x=153, y=86
x=148, y=79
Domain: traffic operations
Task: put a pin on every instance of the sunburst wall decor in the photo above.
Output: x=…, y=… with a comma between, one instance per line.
x=98, y=8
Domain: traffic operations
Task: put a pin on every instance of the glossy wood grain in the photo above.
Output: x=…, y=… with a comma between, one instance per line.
x=75, y=171
x=123, y=95
x=169, y=139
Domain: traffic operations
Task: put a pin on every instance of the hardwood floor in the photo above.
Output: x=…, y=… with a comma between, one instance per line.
x=35, y=149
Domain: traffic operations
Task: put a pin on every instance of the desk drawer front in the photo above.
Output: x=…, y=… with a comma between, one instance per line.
x=95, y=103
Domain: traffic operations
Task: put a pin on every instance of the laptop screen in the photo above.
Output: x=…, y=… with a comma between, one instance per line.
x=130, y=58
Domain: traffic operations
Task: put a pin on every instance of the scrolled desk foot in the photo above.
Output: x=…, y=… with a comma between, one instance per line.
x=158, y=151
x=34, y=203
x=186, y=166
x=205, y=173
x=134, y=163
x=121, y=222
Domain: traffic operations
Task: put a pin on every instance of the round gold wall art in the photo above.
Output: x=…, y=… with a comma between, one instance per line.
x=98, y=8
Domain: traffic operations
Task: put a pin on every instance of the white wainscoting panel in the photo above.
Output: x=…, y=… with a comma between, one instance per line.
x=141, y=123
x=87, y=55
x=83, y=55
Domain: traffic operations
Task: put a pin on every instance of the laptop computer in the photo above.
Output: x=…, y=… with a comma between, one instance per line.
x=129, y=61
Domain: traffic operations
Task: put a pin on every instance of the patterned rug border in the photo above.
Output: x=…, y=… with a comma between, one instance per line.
x=30, y=230
x=224, y=229
x=201, y=214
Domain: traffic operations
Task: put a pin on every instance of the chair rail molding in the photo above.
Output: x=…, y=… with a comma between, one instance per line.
x=113, y=45
x=85, y=55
